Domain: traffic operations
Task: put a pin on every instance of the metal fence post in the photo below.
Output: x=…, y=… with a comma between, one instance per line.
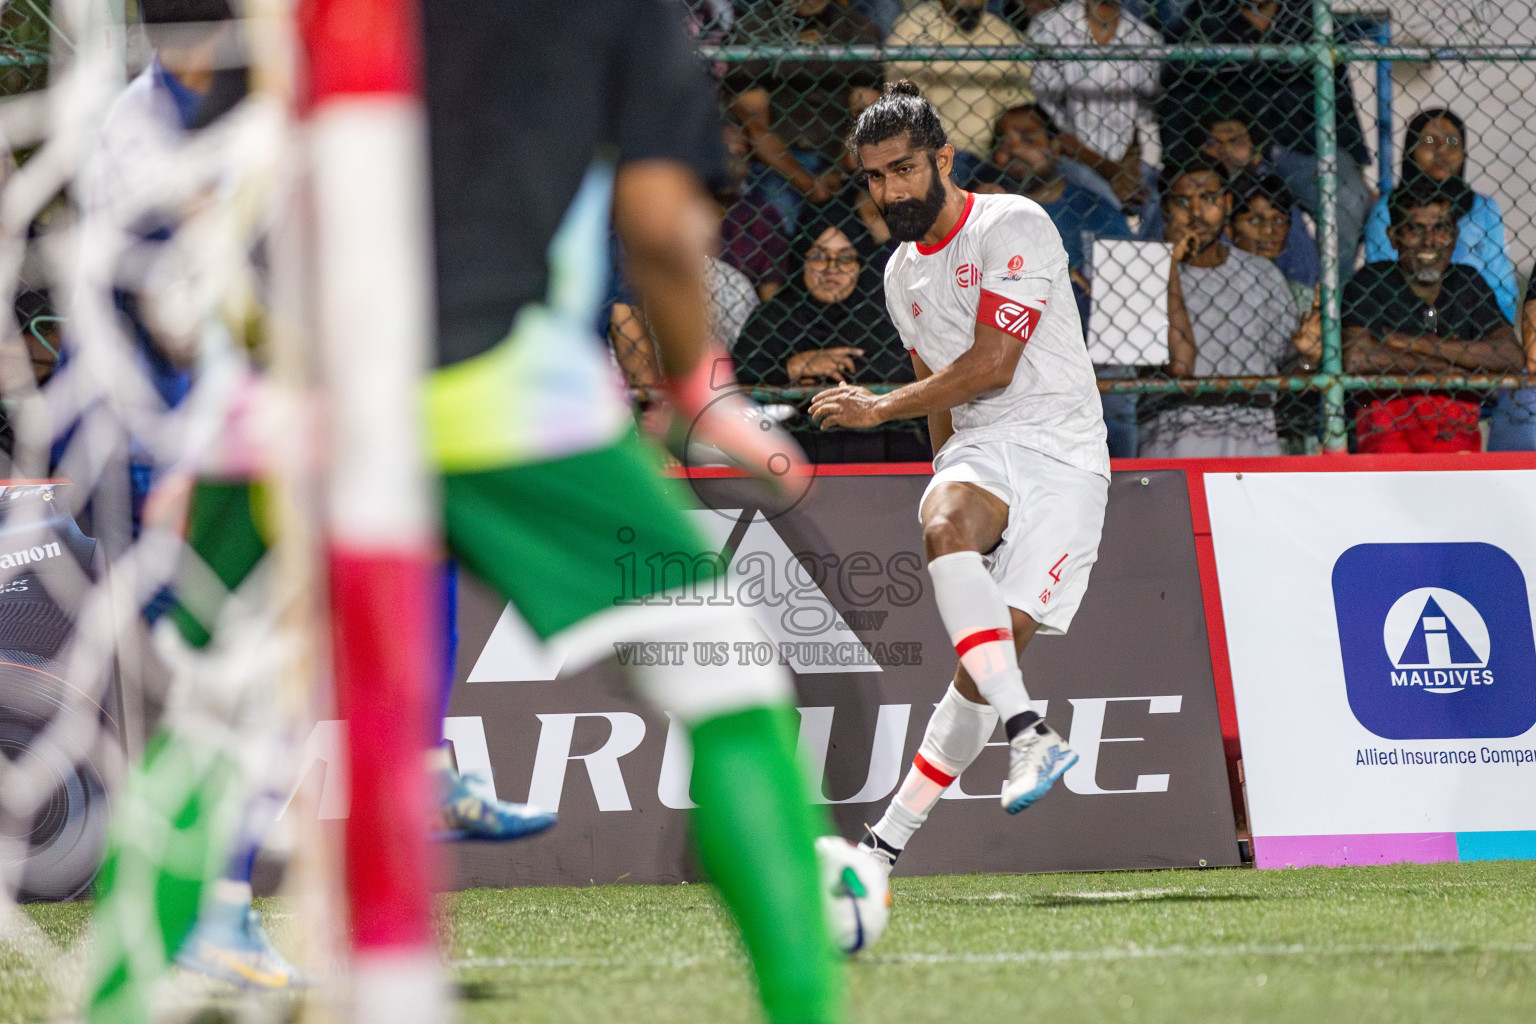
x=1334, y=436
x=1384, y=171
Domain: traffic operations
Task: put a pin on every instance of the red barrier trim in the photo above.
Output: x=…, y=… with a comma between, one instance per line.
x=1281, y=464
x=831, y=469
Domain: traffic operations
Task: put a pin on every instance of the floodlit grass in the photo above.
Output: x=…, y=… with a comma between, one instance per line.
x=1449, y=942
x=1445, y=942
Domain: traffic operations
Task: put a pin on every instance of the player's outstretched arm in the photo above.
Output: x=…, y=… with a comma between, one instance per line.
x=663, y=217
x=986, y=366
x=668, y=228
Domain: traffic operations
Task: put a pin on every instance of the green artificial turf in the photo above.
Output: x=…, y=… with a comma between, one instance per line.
x=1443, y=942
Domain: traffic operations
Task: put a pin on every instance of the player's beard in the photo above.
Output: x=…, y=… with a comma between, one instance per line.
x=910, y=219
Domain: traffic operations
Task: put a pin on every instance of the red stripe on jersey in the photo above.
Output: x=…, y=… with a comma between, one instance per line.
x=923, y=765
x=981, y=636
x=1008, y=316
x=929, y=250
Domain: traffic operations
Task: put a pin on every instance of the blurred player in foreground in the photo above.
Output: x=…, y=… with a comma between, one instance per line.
x=194, y=81
x=539, y=115
x=980, y=292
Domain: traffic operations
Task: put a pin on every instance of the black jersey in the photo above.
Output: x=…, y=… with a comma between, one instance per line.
x=522, y=97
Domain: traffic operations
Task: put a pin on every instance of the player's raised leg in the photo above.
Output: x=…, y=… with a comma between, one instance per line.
x=960, y=521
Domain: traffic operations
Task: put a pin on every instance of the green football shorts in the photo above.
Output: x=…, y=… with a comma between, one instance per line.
x=566, y=539
x=562, y=540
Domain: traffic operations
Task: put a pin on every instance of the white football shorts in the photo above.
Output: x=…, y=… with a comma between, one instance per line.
x=1055, y=520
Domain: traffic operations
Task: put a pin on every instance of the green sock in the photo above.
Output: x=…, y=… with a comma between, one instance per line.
x=756, y=831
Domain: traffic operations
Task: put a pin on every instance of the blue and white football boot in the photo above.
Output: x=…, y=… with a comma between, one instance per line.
x=470, y=812
x=229, y=943
x=1037, y=757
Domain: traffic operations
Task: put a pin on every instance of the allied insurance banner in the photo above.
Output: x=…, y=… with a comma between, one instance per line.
x=840, y=589
x=1383, y=665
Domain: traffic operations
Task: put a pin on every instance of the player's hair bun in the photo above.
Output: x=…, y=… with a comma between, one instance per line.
x=901, y=109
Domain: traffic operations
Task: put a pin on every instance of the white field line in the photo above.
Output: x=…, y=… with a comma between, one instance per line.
x=559, y=962
x=1201, y=953
x=1114, y=953
x=1106, y=895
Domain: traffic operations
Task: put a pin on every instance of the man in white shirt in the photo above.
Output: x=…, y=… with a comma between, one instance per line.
x=1011, y=520
x=1098, y=103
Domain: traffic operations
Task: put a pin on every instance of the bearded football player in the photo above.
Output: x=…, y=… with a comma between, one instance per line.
x=1012, y=517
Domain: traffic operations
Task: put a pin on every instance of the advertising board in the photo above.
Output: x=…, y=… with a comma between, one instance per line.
x=840, y=589
x=1380, y=637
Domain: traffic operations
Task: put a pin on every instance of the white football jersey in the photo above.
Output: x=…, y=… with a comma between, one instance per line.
x=1003, y=264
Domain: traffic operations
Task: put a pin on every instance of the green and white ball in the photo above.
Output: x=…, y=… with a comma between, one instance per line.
x=855, y=891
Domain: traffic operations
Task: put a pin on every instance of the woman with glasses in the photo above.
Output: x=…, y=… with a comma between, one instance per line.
x=826, y=326
x=1435, y=146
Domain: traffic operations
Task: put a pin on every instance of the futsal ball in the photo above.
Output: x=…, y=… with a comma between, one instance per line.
x=855, y=891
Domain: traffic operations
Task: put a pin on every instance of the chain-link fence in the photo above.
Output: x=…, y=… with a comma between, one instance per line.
x=1289, y=228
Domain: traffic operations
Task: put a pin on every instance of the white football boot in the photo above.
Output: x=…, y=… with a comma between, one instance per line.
x=881, y=854
x=1037, y=758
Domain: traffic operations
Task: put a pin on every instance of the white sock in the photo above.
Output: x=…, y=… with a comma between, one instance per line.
x=957, y=733
x=981, y=629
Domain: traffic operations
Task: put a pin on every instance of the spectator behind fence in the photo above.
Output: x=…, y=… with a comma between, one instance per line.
x=1239, y=144
x=1262, y=222
x=968, y=94
x=730, y=300
x=791, y=110
x=1262, y=211
x=1099, y=103
x=1242, y=322
x=1025, y=149
x=854, y=196
x=1119, y=409
x=829, y=325
x=1435, y=146
x=1422, y=313
x=1026, y=144
x=751, y=230
x=1276, y=94
x=1516, y=430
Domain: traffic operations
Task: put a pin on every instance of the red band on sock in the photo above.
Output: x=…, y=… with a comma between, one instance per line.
x=921, y=764
x=982, y=636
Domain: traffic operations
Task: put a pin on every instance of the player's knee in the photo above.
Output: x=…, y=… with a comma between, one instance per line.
x=945, y=534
